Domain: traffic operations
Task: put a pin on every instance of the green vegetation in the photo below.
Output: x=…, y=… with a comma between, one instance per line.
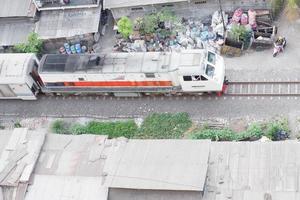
x=171, y=126
x=125, y=27
x=214, y=134
x=164, y=23
x=155, y=126
x=112, y=129
x=59, y=126
x=33, y=45
x=164, y=126
x=292, y=10
x=149, y=24
x=17, y=125
x=254, y=132
x=240, y=34
x=293, y=3
x=274, y=127
x=78, y=129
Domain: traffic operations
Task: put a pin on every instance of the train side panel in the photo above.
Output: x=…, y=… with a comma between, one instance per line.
x=15, y=78
x=130, y=82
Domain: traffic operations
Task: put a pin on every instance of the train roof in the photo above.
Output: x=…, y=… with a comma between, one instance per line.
x=139, y=62
x=13, y=67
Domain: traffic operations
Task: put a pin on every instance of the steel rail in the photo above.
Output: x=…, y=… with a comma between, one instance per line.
x=263, y=88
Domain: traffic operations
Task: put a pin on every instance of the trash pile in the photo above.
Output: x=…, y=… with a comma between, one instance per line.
x=248, y=28
x=211, y=32
x=194, y=34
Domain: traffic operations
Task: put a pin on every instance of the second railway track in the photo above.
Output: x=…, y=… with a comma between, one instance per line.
x=263, y=88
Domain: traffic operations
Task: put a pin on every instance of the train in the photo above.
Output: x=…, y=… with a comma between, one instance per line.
x=24, y=76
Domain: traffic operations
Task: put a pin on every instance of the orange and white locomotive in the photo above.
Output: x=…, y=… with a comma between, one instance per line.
x=120, y=74
x=131, y=74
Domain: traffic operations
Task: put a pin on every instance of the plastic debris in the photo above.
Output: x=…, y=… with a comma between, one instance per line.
x=237, y=16
x=252, y=18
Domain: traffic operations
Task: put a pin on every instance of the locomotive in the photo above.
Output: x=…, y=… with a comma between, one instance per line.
x=23, y=76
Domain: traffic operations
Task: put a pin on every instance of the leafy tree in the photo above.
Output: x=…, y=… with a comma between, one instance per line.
x=125, y=26
x=238, y=33
x=33, y=45
x=292, y=10
x=166, y=15
x=150, y=24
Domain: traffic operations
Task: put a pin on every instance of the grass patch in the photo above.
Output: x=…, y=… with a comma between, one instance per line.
x=155, y=126
x=60, y=127
x=274, y=130
x=112, y=129
x=164, y=126
x=172, y=126
x=214, y=134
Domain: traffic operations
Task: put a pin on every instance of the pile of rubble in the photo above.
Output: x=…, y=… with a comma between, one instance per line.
x=256, y=22
x=196, y=33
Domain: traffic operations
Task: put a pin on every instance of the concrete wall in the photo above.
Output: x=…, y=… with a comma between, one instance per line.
x=194, y=8
x=127, y=194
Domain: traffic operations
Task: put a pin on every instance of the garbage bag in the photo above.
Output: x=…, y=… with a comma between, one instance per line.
x=237, y=16
x=280, y=135
x=244, y=19
x=252, y=18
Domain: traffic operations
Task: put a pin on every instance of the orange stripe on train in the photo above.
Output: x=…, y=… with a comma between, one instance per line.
x=118, y=83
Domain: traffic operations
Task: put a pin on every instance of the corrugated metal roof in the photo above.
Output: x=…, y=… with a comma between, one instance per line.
x=17, y=8
x=159, y=165
x=253, y=170
x=16, y=31
x=72, y=155
x=4, y=138
x=56, y=4
x=81, y=168
x=18, y=160
x=131, y=3
x=70, y=167
x=47, y=187
x=68, y=23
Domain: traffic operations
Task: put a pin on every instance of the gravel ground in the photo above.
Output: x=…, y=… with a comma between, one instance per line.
x=198, y=107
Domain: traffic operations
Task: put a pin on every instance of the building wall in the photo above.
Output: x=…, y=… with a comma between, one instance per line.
x=128, y=194
x=194, y=8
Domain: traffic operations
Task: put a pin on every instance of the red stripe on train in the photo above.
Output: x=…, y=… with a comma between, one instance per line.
x=118, y=83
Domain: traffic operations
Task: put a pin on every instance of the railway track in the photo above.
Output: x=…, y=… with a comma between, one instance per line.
x=263, y=88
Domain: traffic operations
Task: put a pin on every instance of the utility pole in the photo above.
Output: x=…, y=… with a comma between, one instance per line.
x=224, y=27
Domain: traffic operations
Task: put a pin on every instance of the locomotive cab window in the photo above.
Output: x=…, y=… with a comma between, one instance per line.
x=203, y=78
x=211, y=57
x=187, y=78
x=209, y=70
x=196, y=78
x=150, y=75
